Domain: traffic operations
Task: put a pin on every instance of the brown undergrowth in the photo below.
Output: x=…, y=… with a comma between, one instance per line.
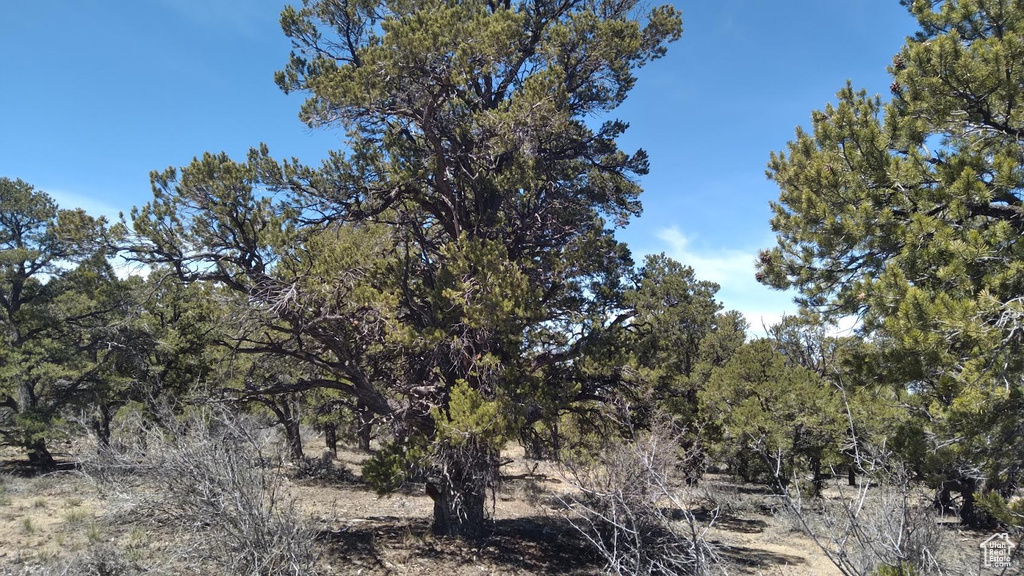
x=63, y=523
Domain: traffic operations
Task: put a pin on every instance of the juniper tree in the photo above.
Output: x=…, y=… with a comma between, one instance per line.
x=467, y=123
x=772, y=416
x=470, y=138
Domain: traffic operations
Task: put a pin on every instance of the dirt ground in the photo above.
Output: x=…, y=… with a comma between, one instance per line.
x=46, y=519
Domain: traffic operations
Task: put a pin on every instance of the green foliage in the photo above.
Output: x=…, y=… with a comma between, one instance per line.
x=674, y=314
x=471, y=417
x=452, y=269
x=901, y=570
x=771, y=417
x=909, y=214
x=61, y=308
x=394, y=465
x=1009, y=512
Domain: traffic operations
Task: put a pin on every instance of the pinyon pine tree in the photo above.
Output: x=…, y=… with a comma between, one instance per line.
x=909, y=214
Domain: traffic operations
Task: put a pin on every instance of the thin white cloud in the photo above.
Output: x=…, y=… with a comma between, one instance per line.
x=69, y=201
x=244, y=18
x=724, y=266
x=733, y=270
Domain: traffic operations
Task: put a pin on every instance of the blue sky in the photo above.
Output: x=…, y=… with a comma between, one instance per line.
x=97, y=93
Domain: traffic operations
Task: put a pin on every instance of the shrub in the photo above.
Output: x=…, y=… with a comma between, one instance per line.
x=207, y=474
x=631, y=505
x=884, y=527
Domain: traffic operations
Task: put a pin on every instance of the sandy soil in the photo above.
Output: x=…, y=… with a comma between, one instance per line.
x=44, y=519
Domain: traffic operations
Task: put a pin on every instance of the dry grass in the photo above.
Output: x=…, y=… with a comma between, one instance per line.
x=80, y=528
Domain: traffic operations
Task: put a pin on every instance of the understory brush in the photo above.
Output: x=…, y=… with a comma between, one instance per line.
x=208, y=477
x=631, y=505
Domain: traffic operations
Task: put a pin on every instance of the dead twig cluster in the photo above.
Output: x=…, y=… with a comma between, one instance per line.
x=632, y=506
x=207, y=475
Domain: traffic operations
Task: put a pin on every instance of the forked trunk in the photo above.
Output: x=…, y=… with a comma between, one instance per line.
x=967, y=510
x=459, y=489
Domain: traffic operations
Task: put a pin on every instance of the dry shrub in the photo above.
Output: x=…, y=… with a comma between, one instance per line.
x=631, y=505
x=884, y=525
x=207, y=475
x=98, y=560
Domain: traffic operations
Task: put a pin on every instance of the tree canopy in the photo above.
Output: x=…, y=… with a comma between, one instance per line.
x=909, y=213
x=477, y=195
x=58, y=299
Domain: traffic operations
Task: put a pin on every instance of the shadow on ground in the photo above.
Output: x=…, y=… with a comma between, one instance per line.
x=534, y=545
x=757, y=558
x=22, y=468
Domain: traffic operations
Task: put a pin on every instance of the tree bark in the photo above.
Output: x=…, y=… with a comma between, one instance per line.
x=968, y=511
x=39, y=456
x=331, y=438
x=459, y=490
x=817, y=480
x=293, y=438
x=101, y=425
x=365, y=430
x=457, y=513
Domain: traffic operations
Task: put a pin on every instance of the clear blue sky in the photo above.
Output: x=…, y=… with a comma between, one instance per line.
x=97, y=93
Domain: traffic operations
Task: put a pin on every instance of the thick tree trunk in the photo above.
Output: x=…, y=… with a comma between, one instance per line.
x=461, y=492
x=39, y=456
x=458, y=514
x=851, y=475
x=331, y=439
x=968, y=511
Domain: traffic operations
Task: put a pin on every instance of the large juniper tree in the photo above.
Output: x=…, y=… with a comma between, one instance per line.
x=467, y=125
x=471, y=140
x=910, y=215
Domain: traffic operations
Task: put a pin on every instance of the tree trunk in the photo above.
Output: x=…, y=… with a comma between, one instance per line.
x=365, y=431
x=39, y=456
x=457, y=514
x=968, y=511
x=556, y=442
x=293, y=438
x=101, y=425
x=817, y=481
x=459, y=490
x=286, y=408
x=533, y=445
x=851, y=475
x=331, y=438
